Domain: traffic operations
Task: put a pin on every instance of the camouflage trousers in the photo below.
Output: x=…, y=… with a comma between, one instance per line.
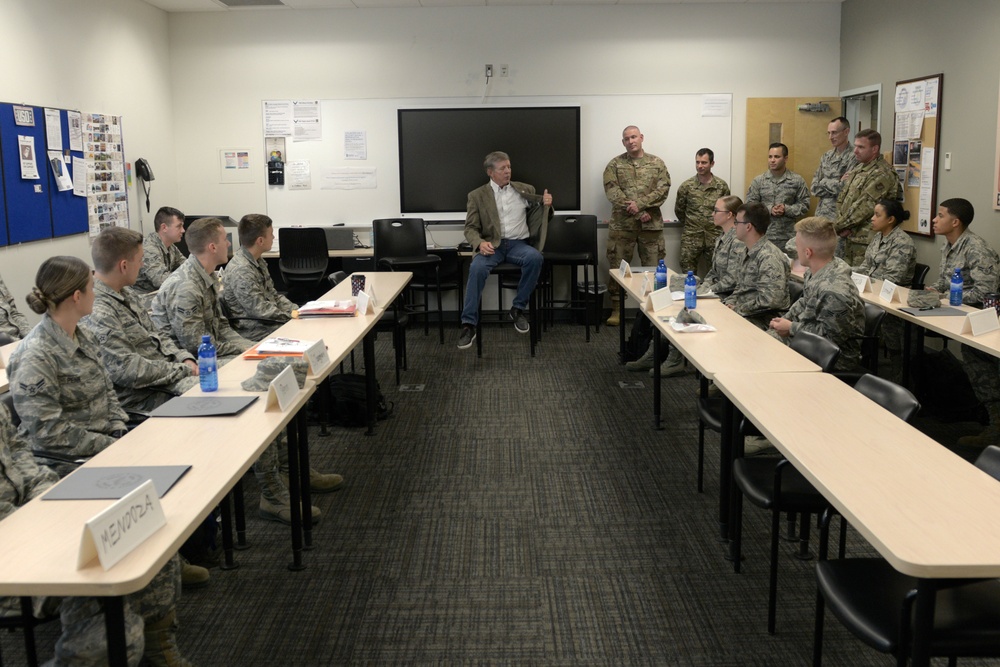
x=148, y=399
x=780, y=232
x=984, y=373
x=83, y=642
x=267, y=470
x=621, y=245
x=696, y=244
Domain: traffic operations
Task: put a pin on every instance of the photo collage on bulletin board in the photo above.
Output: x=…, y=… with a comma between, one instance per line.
x=107, y=195
x=916, y=135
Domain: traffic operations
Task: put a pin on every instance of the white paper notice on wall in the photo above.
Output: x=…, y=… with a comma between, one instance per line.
x=118, y=530
x=980, y=322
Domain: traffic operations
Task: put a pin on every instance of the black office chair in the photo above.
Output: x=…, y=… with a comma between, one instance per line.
x=875, y=602
x=400, y=244
x=571, y=241
x=777, y=486
x=919, y=275
x=302, y=260
x=449, y=276
x=794, y=291
x=870, y=341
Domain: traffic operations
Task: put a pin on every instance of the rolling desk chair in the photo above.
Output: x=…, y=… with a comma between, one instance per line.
x=302, y=260
x=400, y=244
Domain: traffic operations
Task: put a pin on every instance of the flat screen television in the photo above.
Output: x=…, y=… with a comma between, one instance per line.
x=441, y=153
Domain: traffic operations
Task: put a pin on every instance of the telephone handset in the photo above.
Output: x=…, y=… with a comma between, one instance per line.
x=143, y=171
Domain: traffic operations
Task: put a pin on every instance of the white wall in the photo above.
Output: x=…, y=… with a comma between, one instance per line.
x=108, y=56
x=893, y=40
x=224, y=64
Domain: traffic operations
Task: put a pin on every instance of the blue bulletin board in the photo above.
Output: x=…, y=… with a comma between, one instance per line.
x=34, y=209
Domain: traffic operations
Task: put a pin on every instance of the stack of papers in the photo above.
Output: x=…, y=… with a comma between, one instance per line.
x=278, y=347
x=327, y=309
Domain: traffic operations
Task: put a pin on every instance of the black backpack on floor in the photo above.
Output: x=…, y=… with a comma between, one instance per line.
x=349, y=400
x=638, y=341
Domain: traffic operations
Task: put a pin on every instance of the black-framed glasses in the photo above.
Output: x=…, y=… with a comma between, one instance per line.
x=717, y=210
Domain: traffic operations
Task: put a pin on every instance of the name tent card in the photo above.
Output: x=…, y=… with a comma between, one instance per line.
x=862, y=282
x=118, y=530
x=318, y=358
x=659, y=299
x=646, y=283
x=889, y=292
x=365, y=303
x=282, y=391
x=980, y=322
x=624, y=270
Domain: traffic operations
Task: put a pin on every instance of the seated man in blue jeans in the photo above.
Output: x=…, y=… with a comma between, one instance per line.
x=504, y=222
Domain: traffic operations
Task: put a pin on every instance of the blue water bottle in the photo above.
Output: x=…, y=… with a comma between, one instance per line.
x=208, y=369
x=955, y=295
x=690, y=291
x=660, y=279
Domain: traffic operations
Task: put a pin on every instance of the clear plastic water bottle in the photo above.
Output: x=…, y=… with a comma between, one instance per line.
x=660, y=279
x=208, y=368
x=690, y=291
x=955, y=295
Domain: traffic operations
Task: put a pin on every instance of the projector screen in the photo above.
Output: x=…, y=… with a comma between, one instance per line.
x=441, y=153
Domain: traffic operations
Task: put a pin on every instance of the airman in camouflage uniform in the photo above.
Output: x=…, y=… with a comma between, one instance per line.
x=249, y=289
x=145, y=365
x=870, y=180
x=187, y=307
x=762, y=287
x=828, y=180
x=783, y=192
x=637, y=184
x=162, y=257
x=727, y=260
x=829, y=305
x=12, y=322
x=979, y=264
x=62, y=393
x=695, y=201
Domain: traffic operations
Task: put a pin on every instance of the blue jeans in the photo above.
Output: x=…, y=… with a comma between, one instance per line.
x=513, y=252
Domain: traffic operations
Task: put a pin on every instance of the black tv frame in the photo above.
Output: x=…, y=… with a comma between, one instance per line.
x=441, y=153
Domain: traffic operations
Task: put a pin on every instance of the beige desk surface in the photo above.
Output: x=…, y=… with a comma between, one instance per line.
x=949, y=326
x=40, y=540
x=930, y=513
x=736, y=345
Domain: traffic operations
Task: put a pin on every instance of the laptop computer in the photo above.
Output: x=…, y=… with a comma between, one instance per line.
x=339, y=238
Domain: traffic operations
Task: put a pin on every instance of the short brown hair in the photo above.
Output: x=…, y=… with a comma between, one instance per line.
x=818, y=234
x=757, y=215
x=113, y=245
x=252, y=226
x=164, y=215
x=873, y=137
x=202, y=232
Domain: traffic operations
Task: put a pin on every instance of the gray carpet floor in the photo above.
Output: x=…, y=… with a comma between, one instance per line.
x=515, y=511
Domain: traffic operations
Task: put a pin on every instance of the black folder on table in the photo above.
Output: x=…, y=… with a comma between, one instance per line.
x=203, y=406
x=113, y=483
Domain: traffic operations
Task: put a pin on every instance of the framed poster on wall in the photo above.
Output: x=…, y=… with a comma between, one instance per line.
x=916, y=137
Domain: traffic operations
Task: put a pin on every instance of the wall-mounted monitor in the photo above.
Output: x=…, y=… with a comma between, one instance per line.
x=441, y=153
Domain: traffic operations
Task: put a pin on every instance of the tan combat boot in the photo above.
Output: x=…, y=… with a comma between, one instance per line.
x=615, y=318
x=161, y=643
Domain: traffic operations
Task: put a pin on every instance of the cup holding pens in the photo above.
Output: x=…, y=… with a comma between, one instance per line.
x=357, y=285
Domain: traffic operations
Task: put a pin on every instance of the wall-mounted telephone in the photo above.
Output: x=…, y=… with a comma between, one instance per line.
x=143, y=171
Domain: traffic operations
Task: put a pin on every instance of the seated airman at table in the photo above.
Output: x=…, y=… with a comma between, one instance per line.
x=186, y=308
x=890, y=256
x=761, y=292
x=12, y=321
x=727, y=258
x=67, y=404
x=249, y=291
x=162, y=256
x=146, y=366
x=969, y=252
x=829, y=305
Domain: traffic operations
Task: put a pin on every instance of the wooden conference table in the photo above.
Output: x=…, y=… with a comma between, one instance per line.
x=736, y=345
x=949, y=326
x=41, y=539
x=927, y=511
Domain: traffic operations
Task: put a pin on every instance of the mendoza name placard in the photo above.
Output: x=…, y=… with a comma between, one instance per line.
x=118, y=530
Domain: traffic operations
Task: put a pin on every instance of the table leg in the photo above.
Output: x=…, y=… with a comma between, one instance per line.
x=295, y=496
x=726, y=447
x=370, y=383
x=241, y=516
x=114, y=625
x=621, y=326
x=923, y=622
x=302, y=422
x=657, y=355
x=907, y=332
x=228, y=563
